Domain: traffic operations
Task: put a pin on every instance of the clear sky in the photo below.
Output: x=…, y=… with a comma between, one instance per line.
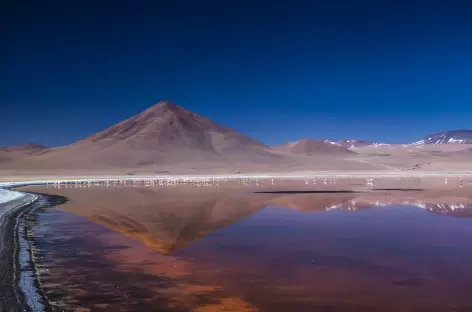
x=388, y=71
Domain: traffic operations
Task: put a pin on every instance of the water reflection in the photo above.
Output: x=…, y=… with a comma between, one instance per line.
x=194, y=250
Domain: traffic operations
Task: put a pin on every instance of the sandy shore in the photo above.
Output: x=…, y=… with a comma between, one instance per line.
x=19, y=288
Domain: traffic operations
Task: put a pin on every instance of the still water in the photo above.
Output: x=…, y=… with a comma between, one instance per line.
x=145, y=249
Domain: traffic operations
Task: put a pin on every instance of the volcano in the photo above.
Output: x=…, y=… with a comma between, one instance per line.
x=162, y=134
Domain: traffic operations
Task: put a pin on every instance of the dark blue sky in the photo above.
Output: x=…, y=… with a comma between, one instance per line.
x=389, y=71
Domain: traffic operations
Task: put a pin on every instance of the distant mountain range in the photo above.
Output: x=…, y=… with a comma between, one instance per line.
x=167, y=133
x=448, y=137
x=463, y=136
x=310, y=146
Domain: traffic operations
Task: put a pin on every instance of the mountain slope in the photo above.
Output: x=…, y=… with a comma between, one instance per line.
x=166, y=125
x=311, y=147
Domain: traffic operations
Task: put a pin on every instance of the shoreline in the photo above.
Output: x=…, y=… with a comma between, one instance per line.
x=19, y=283
x=25, y=277
x=12, y=297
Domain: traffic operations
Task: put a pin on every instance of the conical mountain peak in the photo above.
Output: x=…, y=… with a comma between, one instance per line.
x=168, y=133
x=163, y=107
x=167, y=105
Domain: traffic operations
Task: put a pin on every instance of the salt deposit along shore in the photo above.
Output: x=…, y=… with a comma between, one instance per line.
x=12, y=203
x=19, y=288
x=8, y=196
x=18, y=291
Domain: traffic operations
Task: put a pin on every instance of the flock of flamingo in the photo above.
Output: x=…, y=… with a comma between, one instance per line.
x=205, y=181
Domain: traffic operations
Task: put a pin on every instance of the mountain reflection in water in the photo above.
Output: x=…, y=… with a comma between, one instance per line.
x=233, y=250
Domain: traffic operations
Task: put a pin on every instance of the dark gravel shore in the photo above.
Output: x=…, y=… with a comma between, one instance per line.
x=12, y=298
